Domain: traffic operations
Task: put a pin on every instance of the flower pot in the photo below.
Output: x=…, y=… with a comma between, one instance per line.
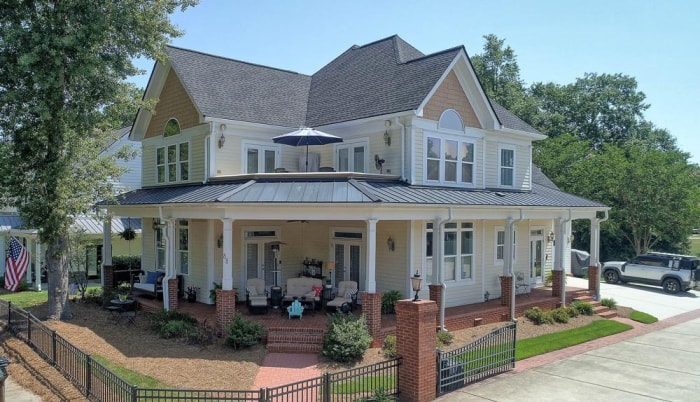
x=192, y=298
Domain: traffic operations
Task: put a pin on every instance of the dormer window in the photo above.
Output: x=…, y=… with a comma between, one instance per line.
x=172, y=127
x=449, y=161
x=506, y=164
x=451, y=120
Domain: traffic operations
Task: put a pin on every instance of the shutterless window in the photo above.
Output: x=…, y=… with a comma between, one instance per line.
x=500, y=244
x=260, y=159
x=449, y=161
x=173, y=163
x=507, y=166
x=351, y=158
x=160, y=250
x=184, y=246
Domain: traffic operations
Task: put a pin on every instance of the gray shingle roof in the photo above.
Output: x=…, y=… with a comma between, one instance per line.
x=383, y=77
x=343, y=190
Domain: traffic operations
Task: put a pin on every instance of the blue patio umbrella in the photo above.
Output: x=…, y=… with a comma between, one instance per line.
x=306, y=136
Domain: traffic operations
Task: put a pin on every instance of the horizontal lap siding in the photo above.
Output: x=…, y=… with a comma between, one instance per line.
x=392, y=267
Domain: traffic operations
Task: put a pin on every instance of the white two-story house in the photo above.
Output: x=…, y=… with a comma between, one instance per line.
x=431, y=177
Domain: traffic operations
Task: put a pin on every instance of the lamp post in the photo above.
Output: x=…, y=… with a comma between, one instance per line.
x=415, y=284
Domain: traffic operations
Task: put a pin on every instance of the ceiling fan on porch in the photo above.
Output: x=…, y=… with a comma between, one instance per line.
x=378, y=163
x=298, y=220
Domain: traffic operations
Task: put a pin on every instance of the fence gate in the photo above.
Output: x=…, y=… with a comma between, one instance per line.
x=489, y=355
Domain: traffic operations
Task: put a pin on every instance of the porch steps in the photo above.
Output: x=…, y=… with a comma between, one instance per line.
x=598, y=309
x=295, y=340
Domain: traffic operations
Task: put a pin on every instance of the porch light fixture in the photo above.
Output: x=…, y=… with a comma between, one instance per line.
x=390, y=244
x=387, y=136
x=220, y=241
x=415, y=284
x=550, y=237
x=222, y=139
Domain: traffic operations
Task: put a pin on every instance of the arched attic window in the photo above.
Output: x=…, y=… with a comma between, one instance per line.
x=451, y=120
x=172, y=127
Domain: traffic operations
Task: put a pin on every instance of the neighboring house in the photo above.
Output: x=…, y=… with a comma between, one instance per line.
x=93, y=230
x=431, y=177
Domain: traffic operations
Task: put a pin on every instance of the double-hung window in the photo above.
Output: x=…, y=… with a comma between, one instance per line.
x=351, y=157
x=501, y=243
x=173, y=163
x=458, y=250
x=449, y=161
x=507, y=165
x=260, y=158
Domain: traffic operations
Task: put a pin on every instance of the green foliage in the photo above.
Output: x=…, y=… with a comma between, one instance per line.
x=243, y=333
x=560, y=315
x=171, y=323
x=546, y=343
x=389, y=347
x=94, y=295
x=176, y=329
x=212, y=292
x=537, y=316
x=572, y=311
x=380, y=394
x=582, y=307
x=127, y=262
x=643, y=317
x=130, y=376
x=389, y=300
x=609, y=302
x=549, y=278
x=444, y=338
x=347, y=337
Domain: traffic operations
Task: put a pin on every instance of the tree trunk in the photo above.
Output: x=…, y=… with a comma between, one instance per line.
x=57, y=261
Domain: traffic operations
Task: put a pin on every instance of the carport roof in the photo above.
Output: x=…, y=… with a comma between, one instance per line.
x=343, y=190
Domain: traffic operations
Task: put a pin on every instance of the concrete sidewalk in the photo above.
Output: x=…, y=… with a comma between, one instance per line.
x=16, y=393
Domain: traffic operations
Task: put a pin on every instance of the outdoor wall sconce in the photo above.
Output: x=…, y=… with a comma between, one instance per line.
x=550, y=237
x=222, y=139
x=415, y=284
x=390, y=244
x=220, y=241
x=486, y=296
x=387, y=136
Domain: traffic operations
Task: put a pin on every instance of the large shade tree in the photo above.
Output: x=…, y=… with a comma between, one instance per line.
x=61, y=64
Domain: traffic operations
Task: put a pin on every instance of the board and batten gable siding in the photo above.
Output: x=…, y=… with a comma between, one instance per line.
x=451, y=95
x=522, y=170
x=174, y=102
x=195, y=136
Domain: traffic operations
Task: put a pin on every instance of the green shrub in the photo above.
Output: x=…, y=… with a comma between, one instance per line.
x=444, y=338
x=389, y=347
x=176, y=329
x=389, y=300
x=572, y=311
x=560, y=315
x=538, y=317
x=243, y=333
x=94, y=296
x=347, y=338
x=609, y=302
x=379, y=395
x=549, y=278
x=583, y=307
x=126, y=262
x=160, y=320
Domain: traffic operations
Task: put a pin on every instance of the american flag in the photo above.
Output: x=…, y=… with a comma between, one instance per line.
x=17, y=262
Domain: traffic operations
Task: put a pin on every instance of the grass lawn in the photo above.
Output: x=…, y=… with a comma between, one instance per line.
x=131, y=377
x=547, y=343
x=30, y=298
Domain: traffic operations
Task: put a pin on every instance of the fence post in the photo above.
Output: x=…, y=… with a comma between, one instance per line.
x=29, y=329
x=263, y=395
x=88, y=375
x=133, y=393
x=326, y=387
x=53, y=347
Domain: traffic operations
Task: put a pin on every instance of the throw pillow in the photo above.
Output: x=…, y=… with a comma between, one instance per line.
x=152, y=276
x=252, y=291
x=317, y=290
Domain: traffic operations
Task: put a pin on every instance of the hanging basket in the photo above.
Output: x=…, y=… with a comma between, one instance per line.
x=128, y=234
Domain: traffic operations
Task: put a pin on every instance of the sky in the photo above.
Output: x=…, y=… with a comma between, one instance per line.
x=656, y=42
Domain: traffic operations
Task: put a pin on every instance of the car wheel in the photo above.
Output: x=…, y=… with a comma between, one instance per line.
x=611, y=276
x=671, y=285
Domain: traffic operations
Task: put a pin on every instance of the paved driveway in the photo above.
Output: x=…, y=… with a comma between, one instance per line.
x=648, y=299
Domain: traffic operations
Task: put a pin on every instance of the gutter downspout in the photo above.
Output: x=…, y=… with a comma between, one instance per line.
x=509, y=226
x=403, y=151
x=441, y=265
x=561, y=250
x=168, y=258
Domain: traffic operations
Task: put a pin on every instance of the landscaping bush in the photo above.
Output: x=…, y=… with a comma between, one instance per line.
x=347, y=338
x=538, y=317
x=583, y=307
x=444, y=338
x=560, y=315
x=126, y=262
x=161, y=319
x=572, y=311
x=389, y=347
x=609, y=302
x=177, y=329
x=389, y=300
x=94, y=296
x=243, y=333
x=549, y=278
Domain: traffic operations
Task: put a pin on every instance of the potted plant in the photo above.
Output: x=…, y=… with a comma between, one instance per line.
x=191, y=293
x=212, y=292
x=128, y=234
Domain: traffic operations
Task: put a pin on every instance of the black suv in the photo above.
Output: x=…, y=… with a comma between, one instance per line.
x=674, y=272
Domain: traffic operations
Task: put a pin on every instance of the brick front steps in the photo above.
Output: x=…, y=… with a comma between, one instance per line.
x=295, y=340
x=598, y=309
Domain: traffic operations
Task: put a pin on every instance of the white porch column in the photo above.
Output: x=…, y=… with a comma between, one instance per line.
x=37, y=263
x=227, y=275
x=371, y=281
x=508, y=248
x=595, y=242
x=106, y=247
x=561, y=241
x=170, y=259
x=438, y=239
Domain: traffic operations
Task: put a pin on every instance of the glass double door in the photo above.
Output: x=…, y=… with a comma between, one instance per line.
x=536, y=257
x=347, y=262
x=260, y=262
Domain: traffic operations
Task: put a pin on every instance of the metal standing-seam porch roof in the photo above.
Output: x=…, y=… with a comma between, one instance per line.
x=343, y=190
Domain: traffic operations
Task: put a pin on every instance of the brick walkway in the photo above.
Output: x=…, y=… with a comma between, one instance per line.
x=286, y=368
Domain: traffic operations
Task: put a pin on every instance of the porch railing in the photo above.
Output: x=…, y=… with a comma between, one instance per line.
x=98, y=383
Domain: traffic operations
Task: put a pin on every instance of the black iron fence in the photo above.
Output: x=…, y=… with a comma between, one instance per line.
x=98, y=383
x=489, y=355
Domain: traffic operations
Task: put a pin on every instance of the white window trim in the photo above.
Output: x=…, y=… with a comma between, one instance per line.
x=508, y=147
x=499, y=261
x=441, y=181
x=350, y=144
x=262, y=147
x=156, y=247
x=179, y=227
x=458, y=257
x=178, y=162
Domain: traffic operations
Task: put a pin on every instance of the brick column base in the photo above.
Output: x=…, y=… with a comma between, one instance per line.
x=506, y=290
x=172, y=294
x=415, y=343
x=108, y=272
x=225, y=309
x=436, y=296
x=594, y=280
x=556, y=282
x=372, y=309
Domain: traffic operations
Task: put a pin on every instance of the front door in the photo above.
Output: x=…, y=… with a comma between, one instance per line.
x=347, y=262
x=536, y=256
x=260, y=262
